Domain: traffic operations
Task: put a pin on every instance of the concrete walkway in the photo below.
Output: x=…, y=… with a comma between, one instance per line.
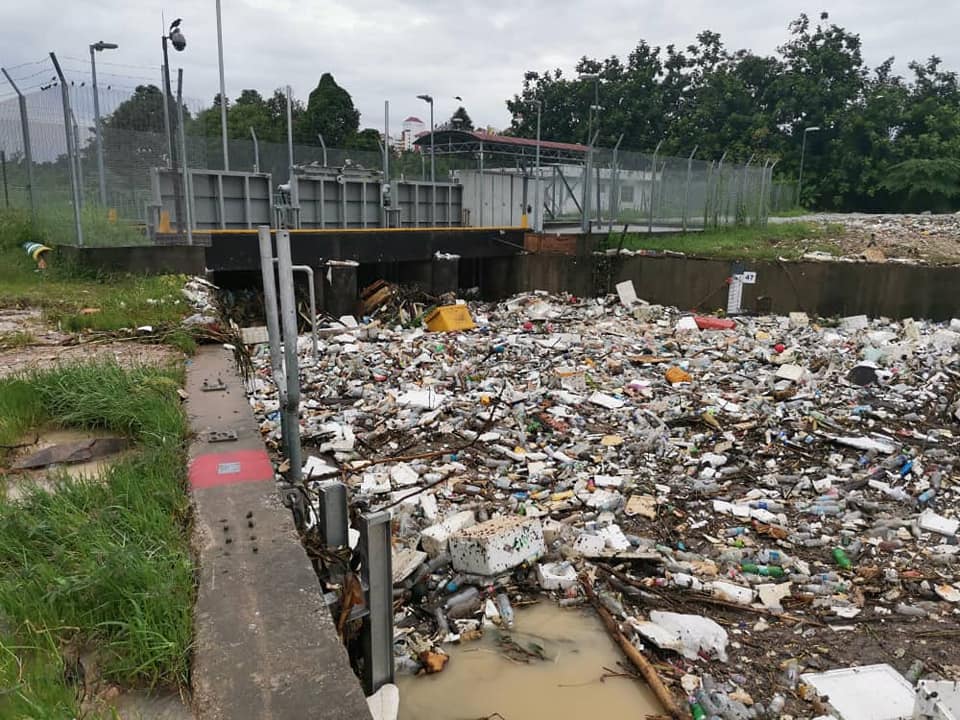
x=265, y=645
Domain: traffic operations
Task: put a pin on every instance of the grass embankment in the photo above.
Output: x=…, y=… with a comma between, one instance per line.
x=96, y=564
x=75, y=300
x=789, y=240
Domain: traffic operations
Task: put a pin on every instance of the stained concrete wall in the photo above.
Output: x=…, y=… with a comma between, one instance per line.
x=146, y=259
x=888, y=289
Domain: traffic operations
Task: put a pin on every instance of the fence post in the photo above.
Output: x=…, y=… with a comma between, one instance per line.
x=716, y=207
x=256, y=150
x=686, y=188
x=25, y=132
x=653, y=185
x=74, y=189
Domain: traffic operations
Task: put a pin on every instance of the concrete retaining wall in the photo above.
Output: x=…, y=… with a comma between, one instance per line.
x=825, y=289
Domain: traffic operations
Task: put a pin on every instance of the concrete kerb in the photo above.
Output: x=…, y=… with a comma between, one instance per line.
x=265, y=643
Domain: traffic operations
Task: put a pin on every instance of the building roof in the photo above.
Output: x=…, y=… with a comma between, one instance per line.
x=450, y=142
x=414, y=118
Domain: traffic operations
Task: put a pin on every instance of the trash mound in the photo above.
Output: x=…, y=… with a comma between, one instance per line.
x=745, y=500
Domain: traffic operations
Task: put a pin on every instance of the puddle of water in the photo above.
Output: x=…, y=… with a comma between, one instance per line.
x=17, y=482
x=478, y=681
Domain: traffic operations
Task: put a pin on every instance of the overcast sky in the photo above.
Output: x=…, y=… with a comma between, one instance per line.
x=396, y=49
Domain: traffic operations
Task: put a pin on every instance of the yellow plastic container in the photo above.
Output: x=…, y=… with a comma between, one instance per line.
x=449, y=318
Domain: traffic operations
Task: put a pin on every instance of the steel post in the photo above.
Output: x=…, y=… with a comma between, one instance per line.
x=288, y=313
x=25, y=132
x=101, y=174
x=377, y=574
x=272, y=312
x=187, y=194
x=333, y=514
x=223, y=93
x=256, y=150
x=67, y=124
x=166, y=112
x=3, y=165
x=686, y=187
x=653, y=185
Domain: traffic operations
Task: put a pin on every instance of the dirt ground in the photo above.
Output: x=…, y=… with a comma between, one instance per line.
x=39, y=346
x=921, y=238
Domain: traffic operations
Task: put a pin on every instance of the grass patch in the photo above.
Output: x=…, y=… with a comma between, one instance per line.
x=77, y=300
x=101, y=563
x=17, y=339
x=32, y=680
x=775, y=240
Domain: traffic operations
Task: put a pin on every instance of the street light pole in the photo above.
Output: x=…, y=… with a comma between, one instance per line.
x=803, y=150
x=94, y=49
x=537, y=223
x=223, y=94
x=179, y=43
x=433, y=168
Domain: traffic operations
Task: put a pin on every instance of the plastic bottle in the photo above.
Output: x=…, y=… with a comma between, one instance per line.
x=505, y=608
x=732, y=593
x=735, y=532
x=791, y=673
x=841, y=558
x=772, y=557
x=765, y=570
x=916, y=670
x=697, y=711
x=776, y=704
x=926, y=496
x=468, y=594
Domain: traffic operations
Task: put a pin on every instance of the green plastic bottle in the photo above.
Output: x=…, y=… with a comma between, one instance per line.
x=841, y=557
x=765, y=570
x=697, y=711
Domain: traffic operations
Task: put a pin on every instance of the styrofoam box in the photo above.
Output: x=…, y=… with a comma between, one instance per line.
x=497, y=545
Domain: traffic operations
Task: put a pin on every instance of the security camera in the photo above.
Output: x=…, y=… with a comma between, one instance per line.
x=178, y=40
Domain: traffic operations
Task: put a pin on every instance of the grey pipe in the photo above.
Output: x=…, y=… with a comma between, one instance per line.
x=288, y=315
x=256, y=150
x=273, y=322
x=313, y=306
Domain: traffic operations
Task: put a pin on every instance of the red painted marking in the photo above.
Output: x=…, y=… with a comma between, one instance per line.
x=230, y=468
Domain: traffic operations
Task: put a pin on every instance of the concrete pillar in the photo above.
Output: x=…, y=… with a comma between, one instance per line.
x=340, y=287
x=445, y=273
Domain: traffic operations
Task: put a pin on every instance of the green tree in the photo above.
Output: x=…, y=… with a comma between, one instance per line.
x=133, y=135
x=329, y=112
x=460, y=120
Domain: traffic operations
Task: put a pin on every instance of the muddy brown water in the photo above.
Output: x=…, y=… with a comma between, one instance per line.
x=479, y=681
x=17, y=483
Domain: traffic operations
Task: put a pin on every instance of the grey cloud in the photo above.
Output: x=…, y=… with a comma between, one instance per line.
x=380, y=49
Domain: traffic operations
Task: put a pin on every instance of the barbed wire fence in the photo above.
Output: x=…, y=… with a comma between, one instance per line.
x=613, y=188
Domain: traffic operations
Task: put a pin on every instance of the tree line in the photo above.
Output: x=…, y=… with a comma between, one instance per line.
x=883, y=141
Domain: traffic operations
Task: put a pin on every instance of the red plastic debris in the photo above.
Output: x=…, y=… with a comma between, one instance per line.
x=712, y=323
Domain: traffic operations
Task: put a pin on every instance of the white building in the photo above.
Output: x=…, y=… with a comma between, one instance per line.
x=412, y=128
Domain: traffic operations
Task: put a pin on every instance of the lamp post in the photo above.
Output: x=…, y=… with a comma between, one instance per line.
x=179, y=42
x=537, y=222
x=94, y=49
x=803, y=150
x=585, y=220
x=223, y=94
x=433, y=169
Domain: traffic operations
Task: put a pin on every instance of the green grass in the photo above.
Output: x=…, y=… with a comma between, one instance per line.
x=98, y=563
x=16, y=339
x=31, y=681
x=788, y=240
x=121, y=301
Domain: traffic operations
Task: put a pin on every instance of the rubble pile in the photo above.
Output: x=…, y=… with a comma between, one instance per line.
x=746, y=504
x=924, y=238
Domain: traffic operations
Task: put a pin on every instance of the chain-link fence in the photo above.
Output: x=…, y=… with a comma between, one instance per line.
x=644, y=191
